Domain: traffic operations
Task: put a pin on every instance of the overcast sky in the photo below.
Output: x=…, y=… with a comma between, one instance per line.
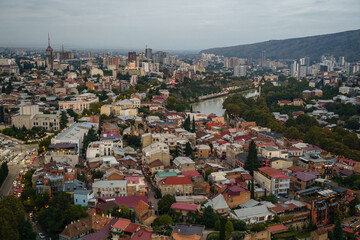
x=169, y=24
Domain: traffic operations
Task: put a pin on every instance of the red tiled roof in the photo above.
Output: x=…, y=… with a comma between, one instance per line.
x=274, y=173
x=131, y=228
x=296, y=169
x=122, y=223
x=191, y=173
x=176, y=181
x=185, y=206
x=142, y=235
x=141, y=206
x=278, y=228
x=128, y=201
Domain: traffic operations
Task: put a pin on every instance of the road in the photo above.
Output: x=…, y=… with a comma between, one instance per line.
x=15, y=165
x=8, y=183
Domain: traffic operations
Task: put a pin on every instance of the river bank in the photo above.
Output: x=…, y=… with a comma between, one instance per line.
x=215, y=105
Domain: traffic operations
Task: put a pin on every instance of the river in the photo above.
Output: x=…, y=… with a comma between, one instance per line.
x=215, y=105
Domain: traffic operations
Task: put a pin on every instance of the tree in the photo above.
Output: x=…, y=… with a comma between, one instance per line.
x=352, y=208
x=89, y=137
x=252, y=162
x=229, y=228
x=193, y=125
x=209, y=217
x=252, y=190
x=238, y=225
x=337, y=232
x=222, y=235
x=186, y=124
x=237, y=235
x=188, y=149
x=12, y=220
x=59, y=213
x=43, y=99
x=63, y=120
x=164, y=219
x=165, y=203
x=133, y=140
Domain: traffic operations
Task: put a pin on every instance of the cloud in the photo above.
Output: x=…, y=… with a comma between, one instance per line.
x=169, y=24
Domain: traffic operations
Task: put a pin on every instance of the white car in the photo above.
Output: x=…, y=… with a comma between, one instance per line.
x=41, y=236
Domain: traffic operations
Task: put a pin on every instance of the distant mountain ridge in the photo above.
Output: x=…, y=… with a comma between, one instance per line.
x=345, y=44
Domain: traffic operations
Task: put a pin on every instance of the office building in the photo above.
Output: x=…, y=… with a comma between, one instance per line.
x=131, y=57
x=148, y=53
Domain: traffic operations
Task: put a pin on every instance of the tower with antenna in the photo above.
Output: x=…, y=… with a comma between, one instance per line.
x=49, y=55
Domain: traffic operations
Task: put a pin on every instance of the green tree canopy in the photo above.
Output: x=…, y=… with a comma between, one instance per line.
x=165, y=203
x=252, y=162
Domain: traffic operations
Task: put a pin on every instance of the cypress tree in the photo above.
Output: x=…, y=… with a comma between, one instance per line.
x=193, y=125
x=252, y=162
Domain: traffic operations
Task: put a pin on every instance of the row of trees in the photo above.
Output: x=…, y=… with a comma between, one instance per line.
x=59, y=213
x=4, y=171
x=13, y=224
x=23, y=133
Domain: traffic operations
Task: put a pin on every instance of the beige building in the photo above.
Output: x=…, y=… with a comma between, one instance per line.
x=270, y=152
x=31, y=117
x=167, y=138
x=176, y=186
x=184, y=164
x=203, y=151
x=231, y=151
x=281, y=163
x=117, y=110
x=77, y=105
x=157, y=151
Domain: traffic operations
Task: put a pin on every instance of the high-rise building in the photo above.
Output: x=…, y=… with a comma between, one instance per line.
x=341, y=61
x=148, y=53
x=64, y=55
x=132, y=57
x=49, y=55
x=262, y=59
x=239, y=71
x=294, y=69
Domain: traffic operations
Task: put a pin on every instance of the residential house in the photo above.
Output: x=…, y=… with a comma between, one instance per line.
x=114, y=188
x=270, y=152
x=256, y=214
x=81, y=197
x=202, y=151
x=323, y=202
x=157, y=151
x=184, y=164
x=185, y=209
x=236, y=195
x=155, y=166
x=219, y=205
x=274, y=181
x=291, y=211
x=187, y=231
x=303, y=180
x=280, y=163
x=136, y=186
x=144, y=213
x=176, y=186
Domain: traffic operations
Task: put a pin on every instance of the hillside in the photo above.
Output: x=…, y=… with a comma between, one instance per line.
x=338, y=44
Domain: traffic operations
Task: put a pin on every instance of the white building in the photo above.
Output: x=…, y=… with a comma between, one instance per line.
x=101, y=148
x=114, y=188
x=274, y=181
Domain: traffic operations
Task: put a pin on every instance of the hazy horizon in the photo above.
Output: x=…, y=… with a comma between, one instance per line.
x=161, y=25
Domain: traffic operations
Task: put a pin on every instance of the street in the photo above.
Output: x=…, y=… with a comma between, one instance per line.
x=15, y=164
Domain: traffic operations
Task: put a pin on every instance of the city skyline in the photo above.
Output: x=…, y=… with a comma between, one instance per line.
x=186, y=26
